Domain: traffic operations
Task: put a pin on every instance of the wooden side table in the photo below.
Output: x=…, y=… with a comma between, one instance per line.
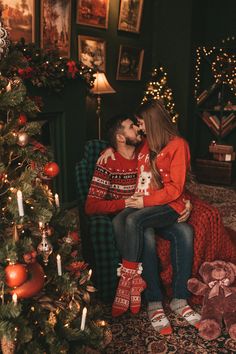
x=215, y=172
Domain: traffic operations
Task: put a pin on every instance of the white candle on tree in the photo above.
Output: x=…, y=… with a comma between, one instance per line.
x=59, y=270
x=57, y=202
x=89, y=274
x=83, y=320
x=20, y=202
x=40, y=225
x=14, y=299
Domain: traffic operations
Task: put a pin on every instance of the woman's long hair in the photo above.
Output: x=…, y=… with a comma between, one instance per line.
x=159, y=129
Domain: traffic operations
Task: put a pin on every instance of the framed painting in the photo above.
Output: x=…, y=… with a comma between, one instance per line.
x=130, y=63
x=18, y=19
x=55, y=25
x=130, y=15
x=93, y=13
x=92, y=52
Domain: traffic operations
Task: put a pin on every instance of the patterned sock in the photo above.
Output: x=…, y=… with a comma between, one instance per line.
x=122, y=298
x=158, y=318
x=137, y=286
x=181, y=307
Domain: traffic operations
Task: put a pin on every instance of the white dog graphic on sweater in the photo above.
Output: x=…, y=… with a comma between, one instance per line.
x=144, y=181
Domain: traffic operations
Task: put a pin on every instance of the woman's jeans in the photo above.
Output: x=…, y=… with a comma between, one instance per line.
x=181, y=237
x=139, y=244
x=130, y=223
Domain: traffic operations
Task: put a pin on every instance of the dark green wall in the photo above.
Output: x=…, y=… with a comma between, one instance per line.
x=128, y=94
x=179, y=27
x=212, y=22
x=170, y=32
x=172, y=49
x=65, y=114
x=78, y=120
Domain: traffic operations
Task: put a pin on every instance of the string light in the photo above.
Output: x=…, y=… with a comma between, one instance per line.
x=157, y=89
x=223, y=66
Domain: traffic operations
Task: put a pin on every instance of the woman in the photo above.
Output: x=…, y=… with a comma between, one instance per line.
x=163, y=163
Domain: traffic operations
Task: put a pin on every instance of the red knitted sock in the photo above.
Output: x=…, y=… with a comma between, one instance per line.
x=137, y=286
x=122, y=298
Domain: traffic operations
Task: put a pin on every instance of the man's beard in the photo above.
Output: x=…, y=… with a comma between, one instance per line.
x=132, y=142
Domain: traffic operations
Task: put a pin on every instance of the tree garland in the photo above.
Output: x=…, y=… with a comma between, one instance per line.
x=44, y=68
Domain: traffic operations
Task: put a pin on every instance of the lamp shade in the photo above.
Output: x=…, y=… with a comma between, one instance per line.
x=101, y=85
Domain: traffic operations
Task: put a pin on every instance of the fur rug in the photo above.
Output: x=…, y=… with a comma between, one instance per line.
x=135, y=335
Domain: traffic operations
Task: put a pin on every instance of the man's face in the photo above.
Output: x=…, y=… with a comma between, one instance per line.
x=131, y=133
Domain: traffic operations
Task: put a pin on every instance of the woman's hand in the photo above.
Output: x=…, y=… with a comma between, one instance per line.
x=108, y=153
x=184, y=215
x=134, y=202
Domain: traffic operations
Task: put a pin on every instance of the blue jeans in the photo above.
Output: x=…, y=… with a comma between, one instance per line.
x=130, y=223
x=181, y=237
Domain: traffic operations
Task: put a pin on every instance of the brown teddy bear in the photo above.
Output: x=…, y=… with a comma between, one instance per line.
x=219, y=301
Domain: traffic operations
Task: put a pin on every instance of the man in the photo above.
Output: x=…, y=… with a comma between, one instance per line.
x=113, y=183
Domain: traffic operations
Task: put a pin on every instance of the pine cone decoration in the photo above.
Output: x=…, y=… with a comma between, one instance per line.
x=7, y=346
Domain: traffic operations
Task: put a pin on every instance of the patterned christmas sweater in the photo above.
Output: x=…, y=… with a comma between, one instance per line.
x=111, y=184
x=173, y=162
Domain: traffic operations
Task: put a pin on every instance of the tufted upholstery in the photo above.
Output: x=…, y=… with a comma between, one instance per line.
x=211, y=240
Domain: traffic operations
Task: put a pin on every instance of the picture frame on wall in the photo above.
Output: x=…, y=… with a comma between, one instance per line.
x=130, y=15
x=130, y=63
x=18, y=19
x=92, y=52
x=55, y=26
x=93, y=13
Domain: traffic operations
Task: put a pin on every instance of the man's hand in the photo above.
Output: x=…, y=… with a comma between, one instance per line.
x=108, y=153
x=184, y=215
x=134, y=202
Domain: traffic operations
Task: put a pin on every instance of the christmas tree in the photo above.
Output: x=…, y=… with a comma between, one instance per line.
x=45, y=285
x=157, y=89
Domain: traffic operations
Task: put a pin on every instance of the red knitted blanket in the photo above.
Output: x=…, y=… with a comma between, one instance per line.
x=212, y=241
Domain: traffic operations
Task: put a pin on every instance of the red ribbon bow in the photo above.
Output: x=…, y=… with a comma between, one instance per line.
x=215, y=286
x=72, y=69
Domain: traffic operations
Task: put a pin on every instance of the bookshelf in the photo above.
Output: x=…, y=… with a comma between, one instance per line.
x=217, y=111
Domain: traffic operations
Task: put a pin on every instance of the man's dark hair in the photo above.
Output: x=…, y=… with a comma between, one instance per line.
x=114, y=125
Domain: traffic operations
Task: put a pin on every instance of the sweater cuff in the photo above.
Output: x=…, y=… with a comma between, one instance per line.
x=148, y=201
x=120, y=204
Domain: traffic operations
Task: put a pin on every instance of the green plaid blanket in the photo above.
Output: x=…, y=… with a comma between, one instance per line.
x=96, y=231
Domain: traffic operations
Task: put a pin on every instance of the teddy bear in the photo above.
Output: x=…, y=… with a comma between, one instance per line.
x=219, y=302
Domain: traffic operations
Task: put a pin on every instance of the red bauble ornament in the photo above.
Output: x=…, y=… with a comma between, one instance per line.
x=75, y=236
x=51, y=169
x=33, y=285
x=16, y=274
x=22, y=119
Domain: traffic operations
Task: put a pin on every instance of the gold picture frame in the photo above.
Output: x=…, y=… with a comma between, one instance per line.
x=92, y=52
x=56, y=26
x=93, y=13
x=130, y=63
x=130, y=15
x=19, y=19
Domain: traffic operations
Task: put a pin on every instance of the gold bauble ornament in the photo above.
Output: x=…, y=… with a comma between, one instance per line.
x=22, y=139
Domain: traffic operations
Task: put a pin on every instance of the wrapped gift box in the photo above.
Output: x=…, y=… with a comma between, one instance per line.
x=221, y=149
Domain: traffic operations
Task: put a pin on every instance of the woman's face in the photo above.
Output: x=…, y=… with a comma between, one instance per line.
x=141, y=124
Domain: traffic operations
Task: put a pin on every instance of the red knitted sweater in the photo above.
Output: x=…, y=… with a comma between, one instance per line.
x=111, y=185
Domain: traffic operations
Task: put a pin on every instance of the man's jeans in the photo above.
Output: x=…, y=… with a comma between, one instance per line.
x=181, y=237
x=130, y=223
